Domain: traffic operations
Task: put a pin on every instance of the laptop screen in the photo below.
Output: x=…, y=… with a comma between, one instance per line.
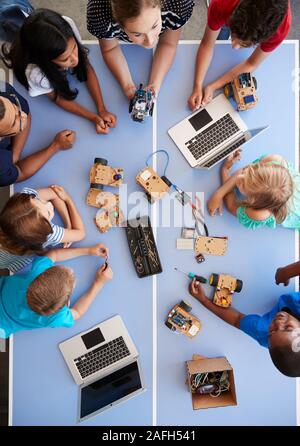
x=108, y=390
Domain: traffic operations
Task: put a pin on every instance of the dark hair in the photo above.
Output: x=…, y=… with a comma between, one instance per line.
x=128, y=9
x=51, y=290
x=256, y=21
x=42, y=38
x=286, y=360
x=23, y=230
x=2, y=109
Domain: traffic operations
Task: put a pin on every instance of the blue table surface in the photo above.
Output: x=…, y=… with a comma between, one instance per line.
x=44, y=392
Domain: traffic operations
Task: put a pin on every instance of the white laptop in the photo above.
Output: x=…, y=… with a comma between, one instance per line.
x=104, y=362
x=210, y=134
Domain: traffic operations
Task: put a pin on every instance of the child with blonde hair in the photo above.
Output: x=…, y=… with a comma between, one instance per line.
x=269, y=187
x=26, y=227
x=40, y=297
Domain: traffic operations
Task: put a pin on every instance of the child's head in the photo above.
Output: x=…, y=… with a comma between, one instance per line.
x=267, y=186
x=12, y=119
x=255, y=21
x=25, y=224
x=284, y=343
x=141, y=20
x=51, y=290
x=47, y=40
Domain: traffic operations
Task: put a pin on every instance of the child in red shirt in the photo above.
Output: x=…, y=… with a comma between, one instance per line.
x=260, y=23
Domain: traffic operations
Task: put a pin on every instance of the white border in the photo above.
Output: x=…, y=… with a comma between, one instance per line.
x=154, y=279
x=297, y=148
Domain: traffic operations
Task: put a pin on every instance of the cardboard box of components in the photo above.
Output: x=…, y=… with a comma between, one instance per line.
x=202, y=365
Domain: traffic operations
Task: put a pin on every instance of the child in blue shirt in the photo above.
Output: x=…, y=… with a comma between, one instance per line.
x=278, y=330
x=41, y=297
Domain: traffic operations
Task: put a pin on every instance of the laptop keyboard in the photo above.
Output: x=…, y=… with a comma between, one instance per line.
x=211, y=137
x=223, y=154
x=101, y=357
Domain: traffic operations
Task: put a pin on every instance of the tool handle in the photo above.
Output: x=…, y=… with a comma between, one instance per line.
x=200, y=279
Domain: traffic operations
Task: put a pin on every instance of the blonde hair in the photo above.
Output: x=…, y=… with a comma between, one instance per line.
x=269, y=186
x=51, y=290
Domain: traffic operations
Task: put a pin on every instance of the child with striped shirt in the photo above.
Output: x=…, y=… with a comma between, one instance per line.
x=26, y=227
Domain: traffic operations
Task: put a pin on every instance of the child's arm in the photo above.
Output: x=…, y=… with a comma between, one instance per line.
x=203, y=60
x=215, y=201
x=103, y=275
x=284, y=274
x=96, y=94
x=226, y=191
x=163, y=58
x=61, y=254
x=48, y=194
x=77, y=231
x=247, y=66
x=116, y=62
x=29, y=165
x=229, y=315
x=18, y=141
x=77, y=109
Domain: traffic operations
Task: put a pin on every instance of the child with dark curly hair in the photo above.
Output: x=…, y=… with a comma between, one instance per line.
x=262, y=24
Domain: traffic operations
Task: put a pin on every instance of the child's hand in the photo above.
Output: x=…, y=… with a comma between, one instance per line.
x=154, y=90
x=129, y=91
x=67, y=245
x=109, y=118
x=215, y=203
x=100, y=124
x=104, y=273
x=232, y=159
x=99, y=250
x=195, y=100
x=208, y=94
x=282, y=276
x=196, y=290
x=65, y=139
x=60, y=192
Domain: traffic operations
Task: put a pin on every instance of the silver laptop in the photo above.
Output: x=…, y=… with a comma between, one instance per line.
x=210, y=134
x=104, y=362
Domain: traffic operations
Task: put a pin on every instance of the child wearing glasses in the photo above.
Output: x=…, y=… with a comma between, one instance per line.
x=15, y=120
x=26, y=227
x=43, y=65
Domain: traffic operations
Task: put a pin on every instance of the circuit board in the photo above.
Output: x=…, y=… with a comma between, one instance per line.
x=142, y=247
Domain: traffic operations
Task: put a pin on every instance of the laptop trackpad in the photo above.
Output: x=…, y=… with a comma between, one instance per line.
x=200, y=119
x=93, y=338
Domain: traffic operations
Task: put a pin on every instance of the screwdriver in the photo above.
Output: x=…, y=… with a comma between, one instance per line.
x=193, y=276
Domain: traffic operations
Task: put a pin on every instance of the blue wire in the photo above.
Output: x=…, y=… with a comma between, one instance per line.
x=159, y=151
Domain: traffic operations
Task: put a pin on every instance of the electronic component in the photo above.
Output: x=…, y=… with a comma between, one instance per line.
x=188, y=233
x=185, y=243
x=200, y=258
x=143, y=247
x=225, y=285
x=181, y=320
x=211, y=245
x=211, y=383
x=142, y=104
